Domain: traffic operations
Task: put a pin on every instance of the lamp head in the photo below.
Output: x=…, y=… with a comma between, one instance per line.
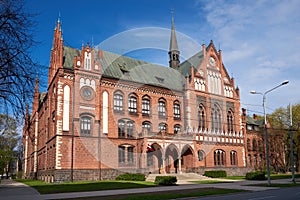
x=285, y=82
x=253, y=92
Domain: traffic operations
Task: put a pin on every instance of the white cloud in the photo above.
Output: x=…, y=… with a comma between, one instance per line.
x=261, y=40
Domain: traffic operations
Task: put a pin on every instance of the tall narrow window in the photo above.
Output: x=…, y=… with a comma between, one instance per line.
x=121, y=153
x=219, y=157
x=200, y=155
x=121, y=128
x=87, y=60
x=146, y=106
x=132, y=104
x=130, y=155
x=254, y=145
x=176, y=110
x=118, y=102
x=130, y=128
x=162, y=127
x=233, y=157
x=177, y=129
x=248, y=144
x=85, y=125
x=229, y=122
x=146, y=127
x=162, y=108
x=201, y=118
x=216, y=119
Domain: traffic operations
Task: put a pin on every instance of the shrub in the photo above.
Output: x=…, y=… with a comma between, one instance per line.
x=131, y=177
x=258, y=175
x=215, y=173
x=165, y=180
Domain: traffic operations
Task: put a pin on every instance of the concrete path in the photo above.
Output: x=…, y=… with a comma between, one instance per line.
x=10, y=190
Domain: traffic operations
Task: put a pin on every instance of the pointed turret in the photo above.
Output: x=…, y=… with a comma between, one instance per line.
x=173, y=51
x=36, y=96
x=56, y=60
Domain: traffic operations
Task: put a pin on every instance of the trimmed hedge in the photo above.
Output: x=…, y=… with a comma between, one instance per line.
x=131, y=177
x=166, y=180
x=215, y=173
x=258, y=175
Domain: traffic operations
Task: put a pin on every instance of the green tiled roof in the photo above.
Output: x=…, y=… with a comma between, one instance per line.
x=195, y=61
x=125, y=68
x=250, y=120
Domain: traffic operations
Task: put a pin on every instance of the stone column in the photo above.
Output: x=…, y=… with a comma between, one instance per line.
x=179, y=165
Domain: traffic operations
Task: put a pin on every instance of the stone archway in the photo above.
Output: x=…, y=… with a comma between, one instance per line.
x=155, y=159
x=171, y=159
x=187, y=161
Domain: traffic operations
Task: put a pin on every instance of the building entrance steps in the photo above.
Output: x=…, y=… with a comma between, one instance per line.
x=183, y=178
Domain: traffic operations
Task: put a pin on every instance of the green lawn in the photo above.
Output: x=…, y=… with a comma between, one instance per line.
x=210, y=181
x=272, y=176
x=49, y=188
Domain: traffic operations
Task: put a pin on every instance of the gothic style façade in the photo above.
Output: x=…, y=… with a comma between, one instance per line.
x=105, y=114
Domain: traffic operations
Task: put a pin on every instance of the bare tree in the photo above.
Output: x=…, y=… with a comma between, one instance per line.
x=17, y=69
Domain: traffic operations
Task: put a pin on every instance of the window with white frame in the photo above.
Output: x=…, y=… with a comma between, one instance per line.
x=146, y=106
x=85, y=125
x=176, y=110
x=118, y=102
x=162, y=108
x=132, y=104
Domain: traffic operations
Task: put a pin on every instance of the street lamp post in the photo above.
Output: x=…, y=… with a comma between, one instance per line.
x=265, y=125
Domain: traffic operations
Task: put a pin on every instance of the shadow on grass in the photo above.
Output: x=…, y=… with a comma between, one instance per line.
x=48, y=188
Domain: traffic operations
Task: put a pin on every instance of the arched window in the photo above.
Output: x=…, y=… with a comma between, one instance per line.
x=125, y=128
x=176, y=106
x=146, y=127
x=126, y=155
x=229, y=122
x=177, y=128
x=254, y=145
x=85, y=125
x=216, y=119
x=162, y=108
x=201, y=118
x=121, y=128
x=260, y=146
x=132, y=104
x=146, y=106
x=87, y=60
x=200, y=155
x=118, y=102
x=162, y=127
x=121, y=152
x=130, y=128
x=219, y=157
x=248, y=144
x=233, y=157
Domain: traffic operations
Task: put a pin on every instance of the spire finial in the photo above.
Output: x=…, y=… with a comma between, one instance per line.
x=172, y=12
x=58, y=20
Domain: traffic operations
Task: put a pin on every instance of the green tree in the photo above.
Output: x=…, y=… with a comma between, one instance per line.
x=280, y=122
x=8, y=143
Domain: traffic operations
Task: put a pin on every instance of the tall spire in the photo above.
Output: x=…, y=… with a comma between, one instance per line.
x=173, y=40
x=173, y=51
x=56, y=60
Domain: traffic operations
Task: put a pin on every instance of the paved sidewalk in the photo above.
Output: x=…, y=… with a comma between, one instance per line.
x=11, y=190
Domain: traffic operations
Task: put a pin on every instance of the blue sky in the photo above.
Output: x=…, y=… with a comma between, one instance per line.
x=259, y=39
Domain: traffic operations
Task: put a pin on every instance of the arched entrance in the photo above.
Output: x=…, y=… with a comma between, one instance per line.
x=187, y=155
x=154, y=158
x=171, y=159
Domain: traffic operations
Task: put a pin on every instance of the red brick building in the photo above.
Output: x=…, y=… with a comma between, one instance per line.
x=105, y=114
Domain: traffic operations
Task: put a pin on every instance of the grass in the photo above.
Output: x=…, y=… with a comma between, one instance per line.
x=272, y=176
x=167, y=194
x=50, y=188
x=209, y=182
x=281, y=185
x=283, y=176
x=241, y=178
